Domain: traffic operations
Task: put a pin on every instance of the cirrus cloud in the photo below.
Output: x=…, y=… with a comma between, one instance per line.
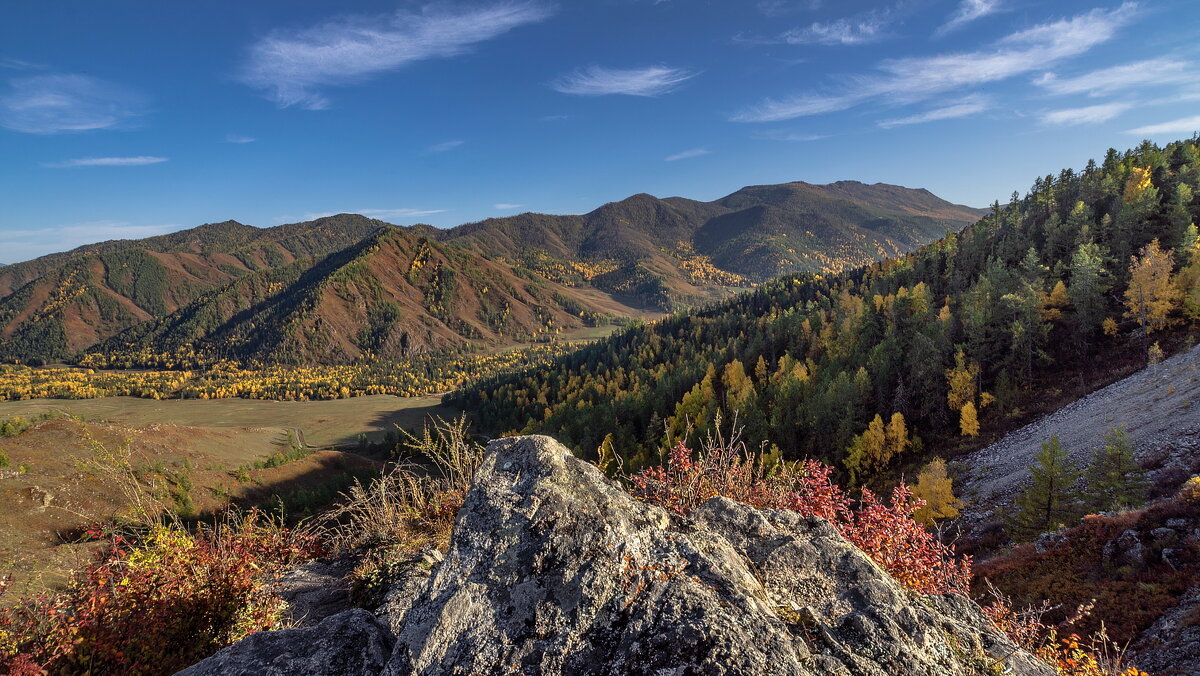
x=63, y=103
x=968, y=11
x=1151, y=72
x=687, y=154
x=293, y=66
x=1186, y=125
x=1085, y=115
x=913, y=79
x=600, y=81
x=971, y=105
x=136, y=161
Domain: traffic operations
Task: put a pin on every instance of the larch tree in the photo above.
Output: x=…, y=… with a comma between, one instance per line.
x=1152, y=294
x=935, y=487
x=896, y=436
x=1115, y=479
x=1049, y=501
x=961, y=382
x=968, y=420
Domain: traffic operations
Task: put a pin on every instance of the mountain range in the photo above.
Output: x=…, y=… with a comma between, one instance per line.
x=345, y=287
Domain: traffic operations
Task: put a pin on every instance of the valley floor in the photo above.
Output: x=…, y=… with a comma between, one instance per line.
x=321, y=423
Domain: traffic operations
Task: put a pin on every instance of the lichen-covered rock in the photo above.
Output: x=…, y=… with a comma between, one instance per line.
x=350, y=643
x=553, y=570
x=1171, y=646
x=316, y=590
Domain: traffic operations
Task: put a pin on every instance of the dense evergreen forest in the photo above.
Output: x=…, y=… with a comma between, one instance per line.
x=854, y=368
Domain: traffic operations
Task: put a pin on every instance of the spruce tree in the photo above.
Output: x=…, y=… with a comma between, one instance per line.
x=1050, y=500
x=1114, y=479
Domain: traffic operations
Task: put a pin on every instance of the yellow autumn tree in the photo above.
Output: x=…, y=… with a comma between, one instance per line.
x=867, y=451
x=1052, y=309
x=896, y=436
x=968, y=421
x=936, y=488
x=1152, y=294
x=1137, y=184
x=961, y=381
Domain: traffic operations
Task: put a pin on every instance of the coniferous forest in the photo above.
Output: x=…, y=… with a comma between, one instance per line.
x=858, y=368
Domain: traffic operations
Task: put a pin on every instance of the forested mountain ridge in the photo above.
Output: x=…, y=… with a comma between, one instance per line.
x=395, y=294
x=853, y=368
x=757, y=232
x=624, y=257
x=57, y=305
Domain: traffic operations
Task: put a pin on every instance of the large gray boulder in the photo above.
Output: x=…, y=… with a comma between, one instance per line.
x=553, y=569
x=350, y=643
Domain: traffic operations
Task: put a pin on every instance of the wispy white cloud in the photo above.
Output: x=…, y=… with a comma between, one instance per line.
x=599, y=81
x=1182, y=126
x=1086, y=115
x=137, y=161
x=968, y=11
x=20, y=245
x=860, y=30
x=971, y=105
x=292, y=66
x=238, y=138
x=445, y=146
x=913, y=79
x=789, y=136
x=1152, y=72
x=19, y=64
x=687, y=154
x=54, y=104
x=782, y=7
x=504, y=206
x=554, y=118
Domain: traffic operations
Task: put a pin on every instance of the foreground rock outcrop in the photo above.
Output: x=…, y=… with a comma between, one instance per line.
x=553, y=569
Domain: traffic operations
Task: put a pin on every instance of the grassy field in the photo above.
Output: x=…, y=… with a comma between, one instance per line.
x=323, y=423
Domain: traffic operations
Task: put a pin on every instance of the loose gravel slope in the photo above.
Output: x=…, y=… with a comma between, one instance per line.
x=1158, y=407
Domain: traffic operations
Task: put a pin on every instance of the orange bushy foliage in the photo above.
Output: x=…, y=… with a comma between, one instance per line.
x=1097, y=655
x=157, y=604
x=884, y=531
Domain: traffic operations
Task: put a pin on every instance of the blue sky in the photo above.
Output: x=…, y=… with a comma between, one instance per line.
x=129, y=119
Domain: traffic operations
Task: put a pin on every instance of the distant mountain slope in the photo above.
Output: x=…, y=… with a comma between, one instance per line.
x=758, y=232
x=395, y=294
x=222, y=283
x=57, y=305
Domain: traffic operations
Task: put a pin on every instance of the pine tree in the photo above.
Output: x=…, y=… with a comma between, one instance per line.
x=1050, y=500
x=1114, y=478
x=1089, y=282
x=936, y=488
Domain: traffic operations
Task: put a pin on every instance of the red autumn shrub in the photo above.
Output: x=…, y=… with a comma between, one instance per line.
x=156, y=605
x=885, y=532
